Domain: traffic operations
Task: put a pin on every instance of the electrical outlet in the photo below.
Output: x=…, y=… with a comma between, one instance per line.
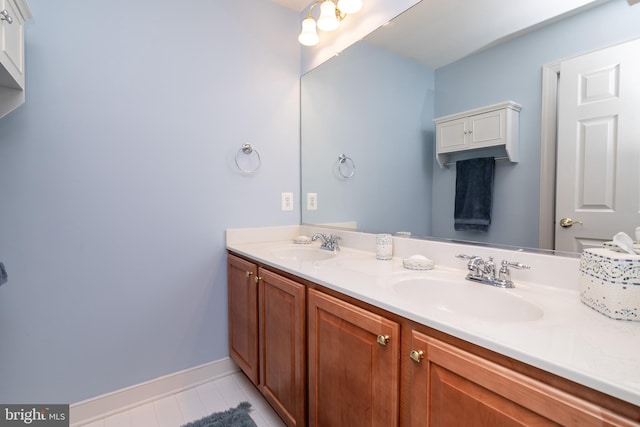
x=287, y=201
x=312, y=201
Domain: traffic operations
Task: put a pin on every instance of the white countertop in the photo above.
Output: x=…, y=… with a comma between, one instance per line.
x=569, y=339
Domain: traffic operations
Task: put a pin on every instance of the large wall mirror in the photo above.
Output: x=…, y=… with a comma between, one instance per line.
x=367, y=130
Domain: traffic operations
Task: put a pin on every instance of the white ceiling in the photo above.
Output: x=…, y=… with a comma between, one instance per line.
x=297, y=5
x=438, y=32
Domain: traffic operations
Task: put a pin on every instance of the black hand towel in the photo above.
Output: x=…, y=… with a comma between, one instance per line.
x=3, y=274
x=474, y=190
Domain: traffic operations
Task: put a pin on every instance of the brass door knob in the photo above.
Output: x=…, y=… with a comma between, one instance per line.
x=383, y=340
x=249, y=273
x=568, y=222
x=416, y=355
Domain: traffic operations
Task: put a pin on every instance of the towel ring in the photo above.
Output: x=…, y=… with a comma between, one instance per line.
x=247, y=149
x=343, y=160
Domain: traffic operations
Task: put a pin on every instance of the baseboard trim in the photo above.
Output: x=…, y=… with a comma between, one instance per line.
x=90, y=410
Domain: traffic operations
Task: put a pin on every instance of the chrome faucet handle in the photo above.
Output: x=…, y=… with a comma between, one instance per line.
x=504, y=274
x=471, y=258
x=333, y=242
x=517, y=265
x=474, y=262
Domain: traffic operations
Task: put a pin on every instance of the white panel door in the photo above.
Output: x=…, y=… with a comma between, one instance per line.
x=598, y=178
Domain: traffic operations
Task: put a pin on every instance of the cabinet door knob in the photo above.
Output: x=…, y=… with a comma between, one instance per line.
x=258, y=278
x=249, y=273
x=416, y=355
x=4, y=16
x=383, y=340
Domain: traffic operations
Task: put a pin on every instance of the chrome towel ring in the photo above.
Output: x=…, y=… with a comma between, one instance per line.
x=346, y=166
x=248, y=150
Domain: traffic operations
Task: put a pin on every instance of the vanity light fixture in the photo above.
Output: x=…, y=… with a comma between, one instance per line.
x=331, y=13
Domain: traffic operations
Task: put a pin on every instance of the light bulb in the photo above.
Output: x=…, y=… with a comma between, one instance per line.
x=328, y=20
x=349, y=6
x=308, y=36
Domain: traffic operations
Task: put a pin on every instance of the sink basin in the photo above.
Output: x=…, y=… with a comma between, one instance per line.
x=464, y=298
x=302, y=253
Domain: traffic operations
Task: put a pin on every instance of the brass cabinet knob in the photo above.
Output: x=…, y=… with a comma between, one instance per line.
x=416, y=355
x=383, y=340
x=568, y=222
x=258, y=278
x=249, y=273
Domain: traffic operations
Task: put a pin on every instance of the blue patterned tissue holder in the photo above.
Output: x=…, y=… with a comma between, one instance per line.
x=610, y=283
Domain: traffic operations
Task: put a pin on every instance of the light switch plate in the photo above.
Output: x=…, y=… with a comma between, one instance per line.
x=312, y=201
x=287, y=201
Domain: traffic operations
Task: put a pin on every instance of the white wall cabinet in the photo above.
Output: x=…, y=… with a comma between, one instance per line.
x=492, y=126
x=13, y=14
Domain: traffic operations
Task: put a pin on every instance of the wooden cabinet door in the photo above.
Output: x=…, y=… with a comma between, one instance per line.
x=282, y=346
x=353, y=380
x=243, y=315
x=451, y=387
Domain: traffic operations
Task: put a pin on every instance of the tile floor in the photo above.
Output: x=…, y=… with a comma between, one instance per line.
x=195, y=403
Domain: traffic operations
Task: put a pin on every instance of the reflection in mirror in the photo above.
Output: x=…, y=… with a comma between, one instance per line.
x=371, y=106
x=377, y=107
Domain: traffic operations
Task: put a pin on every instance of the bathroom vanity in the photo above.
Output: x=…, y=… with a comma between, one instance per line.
x=345, y=339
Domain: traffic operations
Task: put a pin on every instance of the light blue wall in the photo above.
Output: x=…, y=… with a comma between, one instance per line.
x=377, y=108
x=513, y=71
x=117, y=182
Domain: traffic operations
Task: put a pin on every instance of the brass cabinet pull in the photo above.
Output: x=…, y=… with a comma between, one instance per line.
x=249, y=273
x=258, y=278
x=416, y=355
x=568, y=222
x=383, y=340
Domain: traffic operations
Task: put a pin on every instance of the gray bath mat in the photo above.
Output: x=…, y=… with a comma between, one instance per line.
x=234, y=417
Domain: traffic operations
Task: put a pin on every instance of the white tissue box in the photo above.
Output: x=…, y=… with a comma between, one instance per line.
x=610, y=283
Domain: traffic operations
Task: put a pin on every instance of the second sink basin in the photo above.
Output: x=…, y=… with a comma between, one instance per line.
x=302, y=253
x=468, y=299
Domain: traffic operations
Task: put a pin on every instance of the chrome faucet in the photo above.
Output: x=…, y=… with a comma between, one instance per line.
x=485, y=271
x=329, y=243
